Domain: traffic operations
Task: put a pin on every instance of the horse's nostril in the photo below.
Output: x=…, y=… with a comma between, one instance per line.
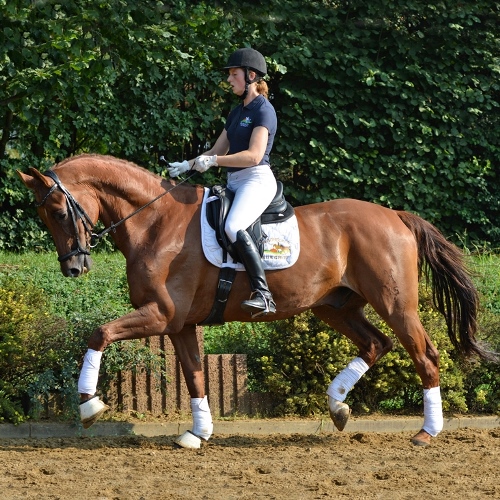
x=74, y=272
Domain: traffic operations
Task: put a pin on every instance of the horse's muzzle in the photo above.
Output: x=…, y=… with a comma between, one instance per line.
x=76, y=266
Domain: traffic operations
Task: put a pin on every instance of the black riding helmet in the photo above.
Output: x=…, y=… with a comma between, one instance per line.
x=248, y=59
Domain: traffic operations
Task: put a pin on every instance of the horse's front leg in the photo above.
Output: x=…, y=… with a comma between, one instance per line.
x=143, y=322
x=188, y=351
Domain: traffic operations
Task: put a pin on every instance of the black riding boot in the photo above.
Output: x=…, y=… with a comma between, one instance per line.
x=261, y=300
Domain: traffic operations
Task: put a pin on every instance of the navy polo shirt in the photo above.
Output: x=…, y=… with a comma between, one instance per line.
x=243, y=119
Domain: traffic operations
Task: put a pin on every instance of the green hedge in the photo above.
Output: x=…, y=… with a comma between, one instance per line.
x=395, y=102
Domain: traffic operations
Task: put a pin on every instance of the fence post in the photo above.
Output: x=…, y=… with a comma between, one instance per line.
x=226, y=384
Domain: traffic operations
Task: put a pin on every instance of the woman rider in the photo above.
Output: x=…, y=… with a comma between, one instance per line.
x=243, y=147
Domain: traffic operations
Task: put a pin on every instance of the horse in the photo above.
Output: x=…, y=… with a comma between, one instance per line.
x=352, y=253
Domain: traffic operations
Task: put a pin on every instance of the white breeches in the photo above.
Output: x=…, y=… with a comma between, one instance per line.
x=254, y=189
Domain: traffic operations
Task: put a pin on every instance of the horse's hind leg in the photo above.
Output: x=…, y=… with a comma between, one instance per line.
x=187, y=349
x=371, y=342
x=425, y=356
x=399, y=309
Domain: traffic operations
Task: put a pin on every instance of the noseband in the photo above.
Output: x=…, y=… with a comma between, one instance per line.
x=77, y=213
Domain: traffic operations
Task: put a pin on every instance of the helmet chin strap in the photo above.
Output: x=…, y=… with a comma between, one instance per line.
x=247, y=83
x=245, y=93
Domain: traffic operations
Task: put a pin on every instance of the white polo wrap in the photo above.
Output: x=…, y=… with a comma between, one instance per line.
x=433, y=411
x=87, y=383
x=346, y=379
x=203, y=426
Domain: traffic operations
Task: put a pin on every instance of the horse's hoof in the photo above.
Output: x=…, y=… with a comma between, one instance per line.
x=188, y=440
x=422, y=438
x=339, y=413
x=91, y=410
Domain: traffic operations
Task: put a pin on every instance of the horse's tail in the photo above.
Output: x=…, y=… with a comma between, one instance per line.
x=454, y=293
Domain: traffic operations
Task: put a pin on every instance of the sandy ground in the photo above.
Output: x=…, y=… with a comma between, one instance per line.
x=460, y=464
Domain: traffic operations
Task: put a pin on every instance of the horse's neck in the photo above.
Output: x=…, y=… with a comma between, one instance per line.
x=122, y=189
x=142, y=201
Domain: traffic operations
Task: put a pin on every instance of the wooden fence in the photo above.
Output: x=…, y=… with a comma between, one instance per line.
x=226, y=384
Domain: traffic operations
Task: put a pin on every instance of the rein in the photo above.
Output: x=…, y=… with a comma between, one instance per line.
x=77, y=212
x=96, y=237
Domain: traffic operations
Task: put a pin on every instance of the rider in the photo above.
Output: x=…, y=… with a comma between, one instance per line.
x=243, y=147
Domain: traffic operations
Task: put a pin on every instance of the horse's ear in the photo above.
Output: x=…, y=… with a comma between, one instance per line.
x=33, y=181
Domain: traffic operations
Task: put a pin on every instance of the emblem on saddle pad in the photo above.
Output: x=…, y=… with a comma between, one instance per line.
x=275, y=233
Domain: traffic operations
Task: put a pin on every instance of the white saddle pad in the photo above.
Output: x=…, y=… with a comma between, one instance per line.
x=281, y=244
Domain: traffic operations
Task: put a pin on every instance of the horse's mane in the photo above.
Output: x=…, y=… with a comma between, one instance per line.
x=131, y=168
x=104, y=158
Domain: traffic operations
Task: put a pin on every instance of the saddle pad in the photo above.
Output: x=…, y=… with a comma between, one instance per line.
x=281, y=246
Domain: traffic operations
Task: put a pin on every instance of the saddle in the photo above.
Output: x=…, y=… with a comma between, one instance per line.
x=220, y=201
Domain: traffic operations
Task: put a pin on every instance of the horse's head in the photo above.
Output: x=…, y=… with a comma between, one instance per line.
x=68, y=222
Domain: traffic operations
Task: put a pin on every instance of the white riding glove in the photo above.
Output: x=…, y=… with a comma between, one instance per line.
x=204, y=162
x=178, y=168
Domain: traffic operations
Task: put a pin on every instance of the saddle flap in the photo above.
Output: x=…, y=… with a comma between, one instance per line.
x=217, y=211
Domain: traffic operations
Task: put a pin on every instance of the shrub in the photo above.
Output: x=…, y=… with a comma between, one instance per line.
x=29, y=343
x=42, y=341
x=305, y=355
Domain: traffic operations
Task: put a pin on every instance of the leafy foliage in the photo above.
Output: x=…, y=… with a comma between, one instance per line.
x=42, y=341
x=28, y=344
x=391, y=102
x=305, y=355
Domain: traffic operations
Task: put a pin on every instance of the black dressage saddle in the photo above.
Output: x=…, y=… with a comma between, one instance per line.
x=279, y=210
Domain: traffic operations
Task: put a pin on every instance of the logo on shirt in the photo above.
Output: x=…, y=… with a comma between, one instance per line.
x=246, y=122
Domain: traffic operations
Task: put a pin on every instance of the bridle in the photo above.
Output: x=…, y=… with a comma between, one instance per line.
x=78, y=213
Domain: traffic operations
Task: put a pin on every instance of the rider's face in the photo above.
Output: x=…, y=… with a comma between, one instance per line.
x=236, y=78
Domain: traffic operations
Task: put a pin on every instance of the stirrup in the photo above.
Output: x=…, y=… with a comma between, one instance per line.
x=259, y=304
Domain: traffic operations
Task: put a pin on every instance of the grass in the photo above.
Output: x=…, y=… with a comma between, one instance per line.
x=486, y=276
x=105, y=286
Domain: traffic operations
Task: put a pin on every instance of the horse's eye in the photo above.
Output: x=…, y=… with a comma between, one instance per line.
x=61, y=215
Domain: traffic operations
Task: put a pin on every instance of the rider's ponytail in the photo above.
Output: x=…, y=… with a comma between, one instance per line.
x=262, y=88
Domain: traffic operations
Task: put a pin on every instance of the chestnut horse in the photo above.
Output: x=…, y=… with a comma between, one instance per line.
x=352, y=253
